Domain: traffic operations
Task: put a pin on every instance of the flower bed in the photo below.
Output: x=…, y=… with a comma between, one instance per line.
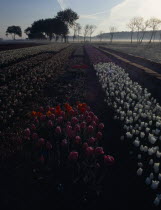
x=11, y=56
x=16, y=94
x=66, y=140
x=139, y=114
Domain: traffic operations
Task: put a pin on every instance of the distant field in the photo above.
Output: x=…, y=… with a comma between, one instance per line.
x=12, y=46
x=148, y=51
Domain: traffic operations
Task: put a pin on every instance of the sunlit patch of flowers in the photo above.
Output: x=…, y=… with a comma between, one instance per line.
x=10, y=56
x=140, y=115
x=68, y=137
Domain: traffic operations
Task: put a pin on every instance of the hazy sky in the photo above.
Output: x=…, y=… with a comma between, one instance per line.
x=102, y=13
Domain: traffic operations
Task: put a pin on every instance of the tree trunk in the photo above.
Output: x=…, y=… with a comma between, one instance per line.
x=151, y=37
x=131, y=36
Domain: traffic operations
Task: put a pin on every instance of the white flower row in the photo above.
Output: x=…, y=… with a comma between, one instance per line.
x=141, y=116
x=9, y=56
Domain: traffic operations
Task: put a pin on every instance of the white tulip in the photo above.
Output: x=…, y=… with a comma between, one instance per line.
x=154, y=184
x=158, y=154
x=148, y=181
x=156, y=167
x=151, y=162
x=159, y=177
x=139, y=171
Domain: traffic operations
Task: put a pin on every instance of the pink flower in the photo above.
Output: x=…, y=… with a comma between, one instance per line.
x=91, y=114
x=77, y=128
x=74, y=120
x=52, y=109
x=34, y=136
x=73, y=156
x=109, y=160
x=93, y=123
x=50, y=123
x=99, y=151
x=95, y=118
x=27, y=132
x=43, y=117
x=72, y=112
x=33, y=127
x=62, y=113
x=101, y=126
x=81, y=117
x=77, y=140
x=99, y=136
x=64, y=143
x=52, y=116
x=40, y=142
x=85, y=145
x=69, y=123
x=86, y=113
x=58, y=130
x=83, y=125
x=91, y=140
x=89, y=151
x=36, y=121
x=90, y=129
x=42, y=159
x=41, y=109
x=48, y=145
x=60, y=120
x=89, y=119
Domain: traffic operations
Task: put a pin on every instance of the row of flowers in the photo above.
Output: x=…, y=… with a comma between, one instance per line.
x=10, y=56
x=67, y=138
x=140, y=115
x=26, y=86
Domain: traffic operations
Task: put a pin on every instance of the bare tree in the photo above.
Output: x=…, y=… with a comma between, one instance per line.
x=100, y=35
x=86, y=31
x=138, y=24
x=143, y=27
x=79, y=28
x=131, y=25
x=154, y=24
x=112, y=32
x=92, y=28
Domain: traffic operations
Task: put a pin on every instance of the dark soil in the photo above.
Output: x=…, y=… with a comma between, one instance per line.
x=121, y=188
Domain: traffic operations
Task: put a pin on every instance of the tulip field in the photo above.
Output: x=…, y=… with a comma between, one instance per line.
x=77, y=131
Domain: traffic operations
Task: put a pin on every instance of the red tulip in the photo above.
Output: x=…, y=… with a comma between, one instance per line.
x=77, y=140
x=89, y=119
x=91, y=114
x=27, y=132
x=74, y=120
x=89, y=151
x=77, y=128
x=34, y=136
x=41, y=142
x=73, y=156
x=99, y=151
x=101, y=126
x=48, y=145
x=90, y=129
x=83, y=125
x=85, y=145
x=64, y=143
x=50, y=123
x=99, y=136
x=109, y=160
x=33, y=127
x=42, y=159
x=58, y=130
x=41, y=109
x=91, y=140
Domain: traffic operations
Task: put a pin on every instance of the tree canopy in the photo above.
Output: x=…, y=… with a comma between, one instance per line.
x=14, y=30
